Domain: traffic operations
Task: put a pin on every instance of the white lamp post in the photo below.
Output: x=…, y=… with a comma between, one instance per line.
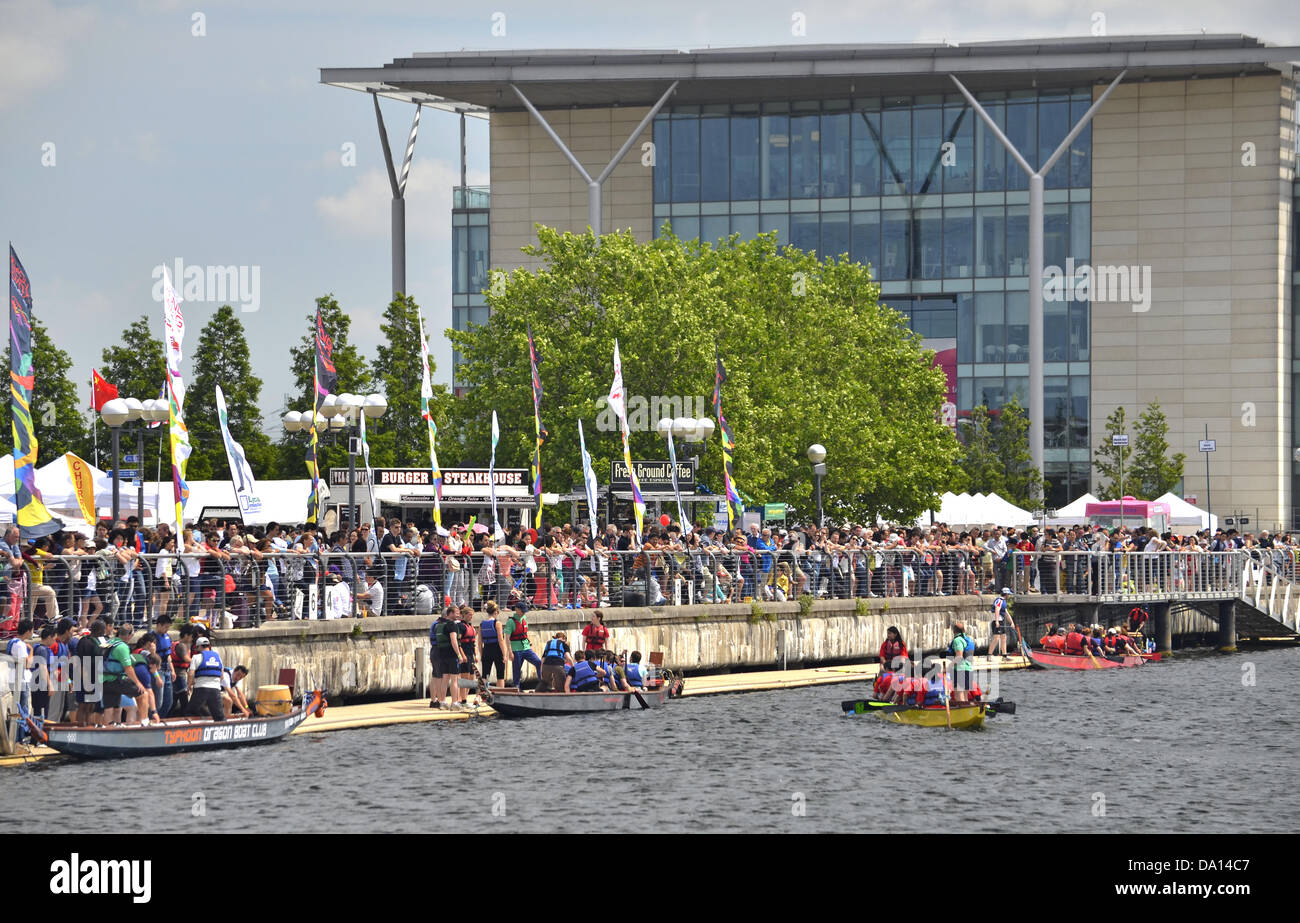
x=817, y=455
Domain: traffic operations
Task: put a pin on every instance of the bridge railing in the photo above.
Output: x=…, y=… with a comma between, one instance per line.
x=1124, y=576
x=1270, y=583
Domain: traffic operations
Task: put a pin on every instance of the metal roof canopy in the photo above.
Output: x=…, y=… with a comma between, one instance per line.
x=476, y=82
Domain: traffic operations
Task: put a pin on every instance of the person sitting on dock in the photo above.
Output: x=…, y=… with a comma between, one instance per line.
x=555, y=659
x=582, y=676
x=892, y=649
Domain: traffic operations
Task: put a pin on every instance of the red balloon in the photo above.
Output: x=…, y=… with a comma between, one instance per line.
x=664, y=520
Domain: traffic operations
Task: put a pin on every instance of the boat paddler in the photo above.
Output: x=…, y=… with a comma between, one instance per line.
x=962, y=647
x=892, y=649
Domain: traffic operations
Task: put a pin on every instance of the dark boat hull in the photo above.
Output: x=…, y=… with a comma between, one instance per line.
x=513, y=704
x=177, y=735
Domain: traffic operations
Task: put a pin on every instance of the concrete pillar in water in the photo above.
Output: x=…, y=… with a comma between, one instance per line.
x=1228, y=626
x=1164, y=627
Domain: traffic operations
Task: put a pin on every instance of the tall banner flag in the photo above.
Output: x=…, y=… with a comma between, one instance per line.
x=672, y=464
x=735, y=508
x=497, y=532
x=618, y=402
x=33, y=519
x=324, y=380
x=365, y=458
x=174, y=338
x=241, y=474
x=542, y=434
x=426, y=411
x=83, y=485
x=588, y=481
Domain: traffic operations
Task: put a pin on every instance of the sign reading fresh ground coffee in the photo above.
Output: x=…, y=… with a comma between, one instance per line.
x=652, y=475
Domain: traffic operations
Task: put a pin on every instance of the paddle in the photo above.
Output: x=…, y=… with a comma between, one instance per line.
x=639, y=698
x=870, y=706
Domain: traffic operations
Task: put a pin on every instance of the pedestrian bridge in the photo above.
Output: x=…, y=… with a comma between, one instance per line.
x=1249, y=594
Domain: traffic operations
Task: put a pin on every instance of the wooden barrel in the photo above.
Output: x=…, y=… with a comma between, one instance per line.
x=274, y=700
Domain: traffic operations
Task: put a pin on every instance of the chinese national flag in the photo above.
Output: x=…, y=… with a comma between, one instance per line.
x=103, y=392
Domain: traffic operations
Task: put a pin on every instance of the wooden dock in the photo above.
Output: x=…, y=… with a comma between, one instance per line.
x=417, y=711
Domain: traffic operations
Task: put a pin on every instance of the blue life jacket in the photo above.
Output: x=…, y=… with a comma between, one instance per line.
x=584, y=677
x=487, y=630
x=112, y=668
x=554, y=650
x=143, y=675
x=164, y=645
x=209, y=664
x=968, y=652
x=935, y=692
x=633, y=672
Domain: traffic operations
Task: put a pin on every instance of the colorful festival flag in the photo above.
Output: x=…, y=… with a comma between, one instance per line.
x=83, y=485
x=497, y=532
x=426, y=411
x=34, y=520
x=101, y=392
x=542, y=434
x=618, y=402
x=324, y=381
x=174, y=338
x=735, y=507
x=672, y=464
x=241, y=473
x=588, y=481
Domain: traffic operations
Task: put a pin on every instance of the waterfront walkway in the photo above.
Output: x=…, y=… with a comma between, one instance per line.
x=417, y=711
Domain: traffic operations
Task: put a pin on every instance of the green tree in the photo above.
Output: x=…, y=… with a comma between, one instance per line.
x=221, y=358
x=1108, y=459
x=399, y=439
x=995, y=455
x=1155, y=472
x=353, y=375
x=811, y=354
x=978, y=460
x=56, y=405
x=1023, y=483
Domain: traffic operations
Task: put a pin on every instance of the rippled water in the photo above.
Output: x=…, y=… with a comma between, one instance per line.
x=1179, y=746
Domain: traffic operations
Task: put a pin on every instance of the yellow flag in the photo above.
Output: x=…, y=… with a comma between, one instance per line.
x=83, y=483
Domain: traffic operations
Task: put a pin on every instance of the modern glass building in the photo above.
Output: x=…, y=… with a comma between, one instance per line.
x=1186, y=174
x=470, y=260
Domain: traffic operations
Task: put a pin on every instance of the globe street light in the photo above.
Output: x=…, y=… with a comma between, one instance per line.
x=817, y=455
x=115, y=413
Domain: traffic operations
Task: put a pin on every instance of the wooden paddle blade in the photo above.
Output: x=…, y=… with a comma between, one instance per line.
x=640, y=698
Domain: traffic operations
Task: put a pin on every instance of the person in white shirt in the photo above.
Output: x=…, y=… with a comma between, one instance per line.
x=371, y=599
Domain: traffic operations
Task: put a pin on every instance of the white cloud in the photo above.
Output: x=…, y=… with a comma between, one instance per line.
x=34, y=45
x=364, y=209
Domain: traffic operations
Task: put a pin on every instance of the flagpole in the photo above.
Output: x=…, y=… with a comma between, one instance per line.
x=94, y=417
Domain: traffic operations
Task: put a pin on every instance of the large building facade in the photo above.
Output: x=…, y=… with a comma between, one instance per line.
x=1170, y=222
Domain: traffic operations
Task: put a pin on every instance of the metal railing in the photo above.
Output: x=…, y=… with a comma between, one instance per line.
x=247, y=589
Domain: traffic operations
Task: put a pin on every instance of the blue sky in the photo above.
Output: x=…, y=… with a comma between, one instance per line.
x=224, y=149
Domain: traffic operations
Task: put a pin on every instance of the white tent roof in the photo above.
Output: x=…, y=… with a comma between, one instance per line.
x=1076, y=509
x=1183, y=513
x=974, y=510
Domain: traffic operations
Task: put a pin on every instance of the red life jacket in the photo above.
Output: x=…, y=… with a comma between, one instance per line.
x=596, y=636
x=469, y=635
x=1074, y=643
x=520, y=632
x=180, y=665
x=891, y=649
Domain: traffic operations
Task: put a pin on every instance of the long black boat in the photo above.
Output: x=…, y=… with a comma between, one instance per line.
x=177, y=735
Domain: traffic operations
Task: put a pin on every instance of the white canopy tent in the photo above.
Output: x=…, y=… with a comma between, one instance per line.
x=1182, y=513
x=964, y=510
x=1073, y=513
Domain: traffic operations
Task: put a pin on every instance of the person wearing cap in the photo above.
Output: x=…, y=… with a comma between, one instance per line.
x=371, y=599
x=998, y=627
x=516, y=629
x=205, y=684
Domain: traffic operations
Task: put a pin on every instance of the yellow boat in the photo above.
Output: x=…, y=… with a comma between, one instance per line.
x=963, y=716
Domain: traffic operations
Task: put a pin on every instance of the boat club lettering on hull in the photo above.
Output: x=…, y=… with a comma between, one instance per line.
x=103, y=876
x=231, y=731
x=182, y=735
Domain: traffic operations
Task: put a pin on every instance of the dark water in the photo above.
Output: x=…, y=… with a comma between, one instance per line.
x=1182, y=746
